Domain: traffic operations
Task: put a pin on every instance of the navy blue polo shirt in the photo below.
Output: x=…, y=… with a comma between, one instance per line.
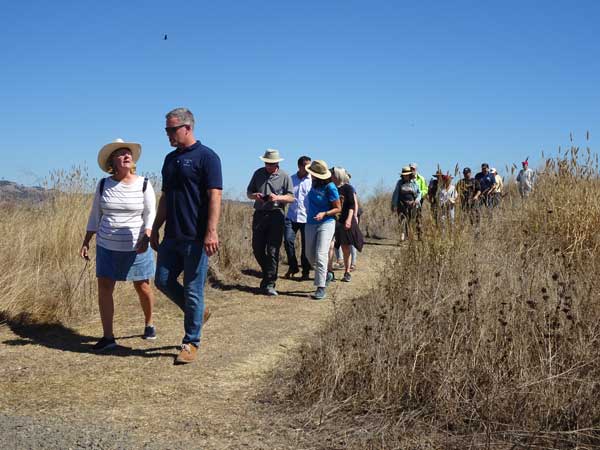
x=187, y=174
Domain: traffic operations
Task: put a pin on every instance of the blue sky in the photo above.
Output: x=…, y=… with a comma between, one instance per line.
x=368, y=85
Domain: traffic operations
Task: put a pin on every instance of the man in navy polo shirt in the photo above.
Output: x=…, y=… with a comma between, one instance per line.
x=190, y=205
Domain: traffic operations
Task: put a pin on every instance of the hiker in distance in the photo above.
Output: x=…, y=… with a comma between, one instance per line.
x=406, y=202
x=323, y=206
x=446, y=200
x=421, y=182
x=190, y=205
x=525, y=179
x=271, y=189
x=295, y=221
x=487, y=183
x=122, y=213
x=347, y=232
x=469, y=192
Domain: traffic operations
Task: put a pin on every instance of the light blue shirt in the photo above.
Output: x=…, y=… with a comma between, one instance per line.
x=297, y=210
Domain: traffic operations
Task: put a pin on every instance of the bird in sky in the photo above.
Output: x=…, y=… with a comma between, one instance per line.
x=165, y=38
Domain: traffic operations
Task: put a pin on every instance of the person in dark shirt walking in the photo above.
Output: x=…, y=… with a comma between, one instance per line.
x=487, y=182
x=190, y=205
x=271, y=189
x=469, y=191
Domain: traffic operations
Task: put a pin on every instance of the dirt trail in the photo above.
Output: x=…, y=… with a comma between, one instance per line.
x=55, y=393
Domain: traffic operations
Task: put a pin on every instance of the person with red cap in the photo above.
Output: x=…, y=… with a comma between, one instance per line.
x=526, y=179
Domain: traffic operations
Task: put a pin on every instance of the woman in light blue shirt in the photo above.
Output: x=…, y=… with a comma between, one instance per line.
x=323, y=206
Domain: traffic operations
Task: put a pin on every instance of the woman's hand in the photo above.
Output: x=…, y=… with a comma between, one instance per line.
x=320, y=216
x=348, y=224
x=84, y=252
x=142, y=244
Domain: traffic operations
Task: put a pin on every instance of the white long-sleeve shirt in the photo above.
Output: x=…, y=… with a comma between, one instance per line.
x=447, y=197
x=122, y=213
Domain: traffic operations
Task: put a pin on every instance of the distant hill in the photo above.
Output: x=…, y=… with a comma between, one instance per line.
x=14, y=192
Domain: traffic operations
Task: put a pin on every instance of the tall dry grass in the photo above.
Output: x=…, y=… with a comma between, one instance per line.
x=42, y=277
x=473, y=340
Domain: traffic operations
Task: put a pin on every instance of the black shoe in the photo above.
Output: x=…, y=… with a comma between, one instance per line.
x=290, y=273
x=104, y=344
x=305, y=276
x=149, y=332
x=347, y=277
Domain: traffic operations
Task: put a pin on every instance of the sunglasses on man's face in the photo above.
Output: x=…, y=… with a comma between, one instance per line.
x=171, y=130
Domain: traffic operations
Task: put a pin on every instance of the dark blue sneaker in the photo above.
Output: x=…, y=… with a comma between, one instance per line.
x=149, y=332
x=347, y=277
x=319, y=294
x=104, y=344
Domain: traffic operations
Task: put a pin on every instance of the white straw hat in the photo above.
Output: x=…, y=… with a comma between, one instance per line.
x=319, y=169
x=271, y=156
x=106, y=151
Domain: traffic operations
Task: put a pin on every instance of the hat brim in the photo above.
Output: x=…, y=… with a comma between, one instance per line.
x=320, y=176
x=406, y=173
x=105, y=152
x=270, y=161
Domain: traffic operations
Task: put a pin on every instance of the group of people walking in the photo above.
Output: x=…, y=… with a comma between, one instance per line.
x=317, y=201
x=321, y=205
x=322, y=208
x=485, y=189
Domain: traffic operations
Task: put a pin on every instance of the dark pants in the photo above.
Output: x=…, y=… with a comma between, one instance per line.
x=291, y=228
x=407, y=216
x=267, y=234
x=472, y=212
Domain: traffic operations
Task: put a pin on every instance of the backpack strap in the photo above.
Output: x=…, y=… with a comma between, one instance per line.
x=102, y=181
x=145, y=184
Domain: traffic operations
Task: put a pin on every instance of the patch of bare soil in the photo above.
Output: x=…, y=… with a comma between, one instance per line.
x=57, y=393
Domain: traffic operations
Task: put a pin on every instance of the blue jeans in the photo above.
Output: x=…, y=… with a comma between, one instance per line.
x=291, y=228
x=318, y=239
x=190, y=258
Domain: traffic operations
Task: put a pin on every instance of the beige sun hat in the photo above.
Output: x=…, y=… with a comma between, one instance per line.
x=319, y=169
x=271, y=156
x=106, y=151
x=406, y=171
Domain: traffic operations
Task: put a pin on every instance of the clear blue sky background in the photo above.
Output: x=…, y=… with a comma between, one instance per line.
x=369, y=85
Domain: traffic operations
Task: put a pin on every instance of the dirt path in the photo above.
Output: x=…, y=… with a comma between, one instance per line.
x=55, y=393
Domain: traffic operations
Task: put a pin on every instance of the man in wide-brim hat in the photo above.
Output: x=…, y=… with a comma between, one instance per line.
x=271, y=189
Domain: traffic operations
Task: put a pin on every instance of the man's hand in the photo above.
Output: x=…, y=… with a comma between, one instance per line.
x=211, y=242
x=154, y=238
x=320, y=216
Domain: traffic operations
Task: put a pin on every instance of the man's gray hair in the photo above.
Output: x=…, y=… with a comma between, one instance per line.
x=184, y=116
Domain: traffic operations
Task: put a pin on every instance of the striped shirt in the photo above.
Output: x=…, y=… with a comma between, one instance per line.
x=122, y=213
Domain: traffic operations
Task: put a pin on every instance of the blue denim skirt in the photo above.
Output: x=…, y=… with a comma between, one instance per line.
x=124, y=266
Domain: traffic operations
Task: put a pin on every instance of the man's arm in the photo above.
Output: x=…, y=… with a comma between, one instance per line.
x=211, y=240
x=161, y=216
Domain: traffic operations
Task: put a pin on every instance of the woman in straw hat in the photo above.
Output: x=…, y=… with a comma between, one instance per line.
x=323, y=206
x=406, y=201
x=122, y=213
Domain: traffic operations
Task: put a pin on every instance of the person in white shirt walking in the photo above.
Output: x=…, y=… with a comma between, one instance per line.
x=526, y=179
x=446, y=200
x=295, y=220
x=122, y=213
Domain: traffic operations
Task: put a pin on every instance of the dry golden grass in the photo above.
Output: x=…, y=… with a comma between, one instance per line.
x=488, y=341
x=42, y=277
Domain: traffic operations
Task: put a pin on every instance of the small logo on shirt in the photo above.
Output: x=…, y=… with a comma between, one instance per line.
x=187, y=163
